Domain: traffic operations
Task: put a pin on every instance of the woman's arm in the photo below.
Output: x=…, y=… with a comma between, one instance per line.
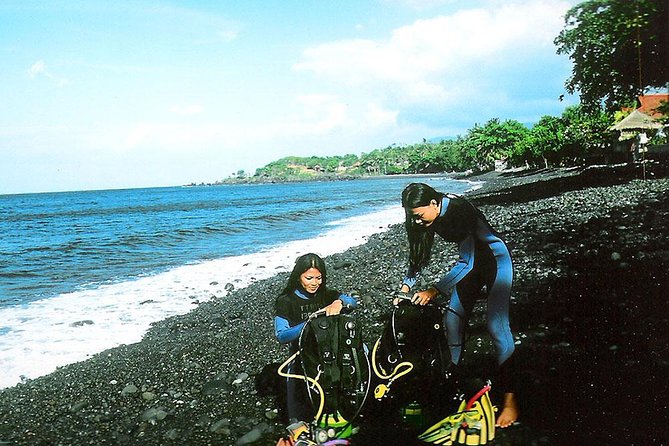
x=284, y=332
x=463, y=266
x=343, y=300
x=408, y=283
x=348, y=301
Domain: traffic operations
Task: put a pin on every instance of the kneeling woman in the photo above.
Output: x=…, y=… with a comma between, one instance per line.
x=305, y=293
x=484, y=260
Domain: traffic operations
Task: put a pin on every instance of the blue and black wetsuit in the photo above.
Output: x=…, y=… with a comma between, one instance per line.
x=484, y=260
x=291, y=313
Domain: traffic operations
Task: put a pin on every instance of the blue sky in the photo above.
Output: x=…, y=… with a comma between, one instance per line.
x=117, y=94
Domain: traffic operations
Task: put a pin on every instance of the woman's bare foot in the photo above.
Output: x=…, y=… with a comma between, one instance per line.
x=509, y=412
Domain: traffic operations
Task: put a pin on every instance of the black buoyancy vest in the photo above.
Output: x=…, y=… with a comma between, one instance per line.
x=332, y=351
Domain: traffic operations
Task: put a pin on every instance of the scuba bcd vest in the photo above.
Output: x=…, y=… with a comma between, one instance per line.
x=411, y=350
x=331, y=351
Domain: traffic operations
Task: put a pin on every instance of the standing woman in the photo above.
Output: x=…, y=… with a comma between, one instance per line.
x=305, y=293
x=484, y=260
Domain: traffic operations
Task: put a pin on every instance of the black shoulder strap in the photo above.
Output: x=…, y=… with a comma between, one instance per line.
x=326, y=331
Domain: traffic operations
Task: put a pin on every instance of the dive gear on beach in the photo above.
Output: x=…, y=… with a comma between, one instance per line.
x=302, y=434
x=332, y=352
x=336, y=372
x=472, y=424
x=411, y=347
x=292, y=311
x=412, y=415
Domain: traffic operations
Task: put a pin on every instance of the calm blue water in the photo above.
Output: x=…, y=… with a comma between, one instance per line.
x=54, y=243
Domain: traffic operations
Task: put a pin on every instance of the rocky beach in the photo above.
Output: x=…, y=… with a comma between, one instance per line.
x=589, y=313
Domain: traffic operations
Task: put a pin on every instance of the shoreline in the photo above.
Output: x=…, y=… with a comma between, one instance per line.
x=85, y=320
x=589, y=290
x=321, y=178
x=89, y=321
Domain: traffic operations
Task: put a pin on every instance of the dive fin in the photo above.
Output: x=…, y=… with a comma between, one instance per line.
x=489, y=415
x=472, y=425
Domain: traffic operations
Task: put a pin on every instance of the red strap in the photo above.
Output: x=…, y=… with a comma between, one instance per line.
x=478, y=395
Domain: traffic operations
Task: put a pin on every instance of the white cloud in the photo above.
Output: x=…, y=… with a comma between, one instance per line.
x=423, y=61
x=378, y=117
x=181, y=137
x=39, y=69
x=308, y=117
x=228, y=35
x=322, y=115
x=315, y=114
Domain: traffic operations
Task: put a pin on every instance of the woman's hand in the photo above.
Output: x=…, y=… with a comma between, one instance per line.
x=424, y=297
x=334, y=308
x=404, y=289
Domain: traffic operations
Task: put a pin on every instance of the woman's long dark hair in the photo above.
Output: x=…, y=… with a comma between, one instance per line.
x=420, y=238
x=303, y=263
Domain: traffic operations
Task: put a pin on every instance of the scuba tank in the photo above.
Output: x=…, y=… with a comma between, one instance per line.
x=412, y=415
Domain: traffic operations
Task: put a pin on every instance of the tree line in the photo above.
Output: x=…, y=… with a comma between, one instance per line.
x=553, y=141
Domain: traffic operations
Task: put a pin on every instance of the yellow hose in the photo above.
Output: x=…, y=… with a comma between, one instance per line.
x=395, y=373
x=304, y=378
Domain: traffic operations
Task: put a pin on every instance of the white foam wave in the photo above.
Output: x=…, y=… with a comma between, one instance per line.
x=43, y=335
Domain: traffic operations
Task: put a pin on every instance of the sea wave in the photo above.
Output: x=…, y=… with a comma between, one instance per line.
x=38, y=337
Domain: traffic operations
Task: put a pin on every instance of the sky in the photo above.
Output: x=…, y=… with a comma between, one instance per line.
x=97, y=94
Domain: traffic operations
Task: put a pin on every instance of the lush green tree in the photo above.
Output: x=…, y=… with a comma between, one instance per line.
x=434, y=158
x=371, y=162
x=664, y=109
x=349, y=160
x=414, y=159
x=543, y=144
x=395, y=159
x=579, y=134
x=444, y=156
x=492, y=141
x=465, y=152
x=618, y=49
x=586, y=134
x=456, y=154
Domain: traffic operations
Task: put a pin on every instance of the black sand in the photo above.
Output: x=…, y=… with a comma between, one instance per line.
x=589, y=312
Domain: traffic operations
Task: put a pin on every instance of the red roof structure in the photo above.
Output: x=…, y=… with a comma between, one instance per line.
x=650, y=102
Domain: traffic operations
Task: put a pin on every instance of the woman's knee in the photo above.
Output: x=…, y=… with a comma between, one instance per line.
x=500, y=331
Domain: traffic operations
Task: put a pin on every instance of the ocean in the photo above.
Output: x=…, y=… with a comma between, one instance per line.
x=81, y=272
